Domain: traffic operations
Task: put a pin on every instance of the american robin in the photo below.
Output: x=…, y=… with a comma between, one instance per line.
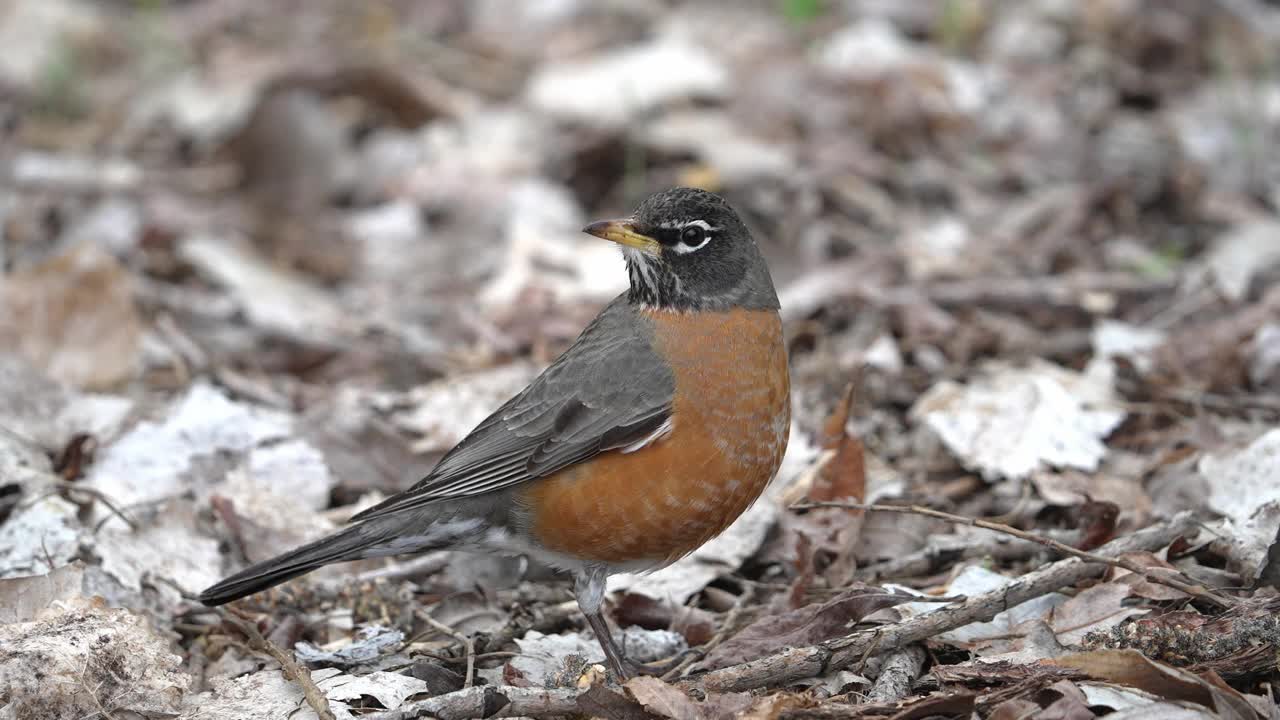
x=649, y=436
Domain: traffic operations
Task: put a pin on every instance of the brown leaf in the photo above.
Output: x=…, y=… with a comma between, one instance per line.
x=833, y=427
x=845, y=476
x=642, y=610
x=1098, y=522
x=842, y=478
x=1211, y=355
x=662, y=699
x=771, y=707
x=725, y=706
x=75, y=456
x=74, y=315
x=1015, y=709
x=1070, y=705
x=939, y=704
x=1133, y=669
x=795, y=595
x=1097, y=608
x=695, y=624
x=602, y=702
x=805, y=626
x=1140, y=586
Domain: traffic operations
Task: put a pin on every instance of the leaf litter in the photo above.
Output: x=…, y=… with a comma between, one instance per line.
x=1028, y=266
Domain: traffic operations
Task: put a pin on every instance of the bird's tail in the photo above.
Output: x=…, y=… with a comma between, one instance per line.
x=351, y=543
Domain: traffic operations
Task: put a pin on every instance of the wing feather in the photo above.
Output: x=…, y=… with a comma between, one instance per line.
x=609, y=390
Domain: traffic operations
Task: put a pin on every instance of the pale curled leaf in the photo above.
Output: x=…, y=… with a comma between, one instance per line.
x=1011, y=421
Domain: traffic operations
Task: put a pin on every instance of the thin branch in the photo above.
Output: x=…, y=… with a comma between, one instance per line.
x=68, y=487
x=488, y=701
x=466, y=641
x=1201, y=593
x=289, y=666
x=814, y=660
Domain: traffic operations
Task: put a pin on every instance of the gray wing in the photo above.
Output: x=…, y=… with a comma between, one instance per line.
x=609, y=390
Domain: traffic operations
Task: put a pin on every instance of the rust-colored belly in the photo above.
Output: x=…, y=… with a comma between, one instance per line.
x=730, y=423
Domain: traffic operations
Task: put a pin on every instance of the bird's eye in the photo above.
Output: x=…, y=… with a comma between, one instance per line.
x=693, y=235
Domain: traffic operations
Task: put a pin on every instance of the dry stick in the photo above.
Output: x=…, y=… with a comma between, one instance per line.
x=460, y=637
x=814, y=660
x=900, y=670
x=1196, y=591
x=94, y=493
x=290, y=667
x=487, y=701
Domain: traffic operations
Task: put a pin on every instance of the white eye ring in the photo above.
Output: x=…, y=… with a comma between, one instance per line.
x=681, y=248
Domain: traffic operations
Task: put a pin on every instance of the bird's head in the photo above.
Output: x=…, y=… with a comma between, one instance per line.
x=686, y=249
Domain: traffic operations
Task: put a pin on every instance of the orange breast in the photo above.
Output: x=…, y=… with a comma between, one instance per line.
x=731, y=418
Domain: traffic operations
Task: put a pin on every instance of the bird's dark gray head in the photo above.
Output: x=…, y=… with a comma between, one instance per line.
x=686, y=249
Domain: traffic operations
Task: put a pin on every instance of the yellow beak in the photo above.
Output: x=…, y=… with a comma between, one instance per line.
x=623, y=232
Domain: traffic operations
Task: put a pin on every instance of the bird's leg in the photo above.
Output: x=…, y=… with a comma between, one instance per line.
x=617, y=662
x=589, y=587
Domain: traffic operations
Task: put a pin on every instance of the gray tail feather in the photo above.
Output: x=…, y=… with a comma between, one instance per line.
x=348, y=544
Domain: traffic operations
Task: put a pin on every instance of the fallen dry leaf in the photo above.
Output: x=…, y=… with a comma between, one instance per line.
x=1133, y=669
x=1243, y=488
x=22, y=599
x=842, y=478
x=1011, y=421
x=1097, y=608
x=662, y=699
x=805, y=626
x=74, y=316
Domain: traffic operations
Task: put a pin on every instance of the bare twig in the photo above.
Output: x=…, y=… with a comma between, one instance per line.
x=487, y=701
x=1201, y=593
x=149, y=578
x=466, y=641
x=67, y=487
x=479, y=657
x=290, y=667
x=900, y=670
x=814, y=660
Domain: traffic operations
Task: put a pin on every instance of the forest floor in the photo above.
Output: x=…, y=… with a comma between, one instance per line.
x=263, y=263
